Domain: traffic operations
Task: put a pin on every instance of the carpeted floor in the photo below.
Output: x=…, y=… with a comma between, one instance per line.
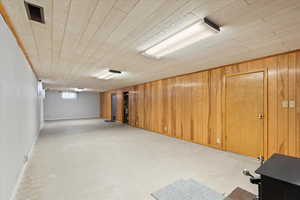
x=92, y=160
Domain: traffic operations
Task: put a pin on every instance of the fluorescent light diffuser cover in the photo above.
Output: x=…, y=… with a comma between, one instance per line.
x=106, y=74
x=80, y=89
x=184, y=38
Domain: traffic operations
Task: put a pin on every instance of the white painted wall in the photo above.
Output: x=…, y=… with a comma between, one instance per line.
x=87, y=105
x=19, y=111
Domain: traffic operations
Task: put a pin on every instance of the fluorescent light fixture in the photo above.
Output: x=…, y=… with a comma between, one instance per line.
x=80, y=89
x=183, y=38
x=108, y=74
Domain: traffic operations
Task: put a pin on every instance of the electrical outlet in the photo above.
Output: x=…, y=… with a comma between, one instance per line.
x=218, y=140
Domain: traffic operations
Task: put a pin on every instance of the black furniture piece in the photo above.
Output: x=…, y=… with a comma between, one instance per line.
x=280, y=178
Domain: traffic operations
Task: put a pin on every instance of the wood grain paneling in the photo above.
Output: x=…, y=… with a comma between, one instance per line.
x=132, y=106
x=179, y=106
x=148, y=106
x=165, y=108
x=102, y=105
x=170, y=106
x=140, y=105
x=215, y=114
x=120, y=113
x=187, y=108
x=156, y=100
x=200, y=107
x=272, y=104
x=106, y=105
x=191, y=106
x=297, y=104
x=292, y=136
x=283, y=111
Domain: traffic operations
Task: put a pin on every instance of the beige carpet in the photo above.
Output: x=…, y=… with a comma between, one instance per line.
x=94, y=160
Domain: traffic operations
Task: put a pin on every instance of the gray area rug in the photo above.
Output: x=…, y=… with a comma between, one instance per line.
x=187, y=190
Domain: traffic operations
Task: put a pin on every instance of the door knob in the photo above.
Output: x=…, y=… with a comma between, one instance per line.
x=260, y=116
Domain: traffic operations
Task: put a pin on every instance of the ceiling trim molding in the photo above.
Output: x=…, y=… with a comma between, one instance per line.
x=9, y=23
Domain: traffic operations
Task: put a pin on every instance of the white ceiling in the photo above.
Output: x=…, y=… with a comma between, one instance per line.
x=82, y=37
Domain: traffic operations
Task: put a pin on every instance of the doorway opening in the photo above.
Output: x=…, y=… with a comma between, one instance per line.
x=113, y=107
x=125, y=108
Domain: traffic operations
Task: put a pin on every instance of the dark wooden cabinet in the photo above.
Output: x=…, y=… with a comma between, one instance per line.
x=280, y=178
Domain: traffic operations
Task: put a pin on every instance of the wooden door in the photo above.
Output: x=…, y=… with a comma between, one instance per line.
x=244, y=113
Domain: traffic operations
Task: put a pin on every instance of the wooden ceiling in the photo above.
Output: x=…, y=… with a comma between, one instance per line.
x=82, y=37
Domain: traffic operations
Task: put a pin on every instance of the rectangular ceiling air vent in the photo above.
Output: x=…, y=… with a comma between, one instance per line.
x=35, y=13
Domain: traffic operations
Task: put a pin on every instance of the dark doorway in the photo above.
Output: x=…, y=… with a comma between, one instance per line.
x=125, y=106
x=113, y=107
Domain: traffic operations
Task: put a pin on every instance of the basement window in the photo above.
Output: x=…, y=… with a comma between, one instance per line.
x=69, y=95
x=35, y=12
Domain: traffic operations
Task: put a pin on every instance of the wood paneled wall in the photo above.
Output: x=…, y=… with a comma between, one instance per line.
x=191, y=106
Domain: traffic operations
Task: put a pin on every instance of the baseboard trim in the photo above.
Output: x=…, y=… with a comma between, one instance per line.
x=23, y=169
